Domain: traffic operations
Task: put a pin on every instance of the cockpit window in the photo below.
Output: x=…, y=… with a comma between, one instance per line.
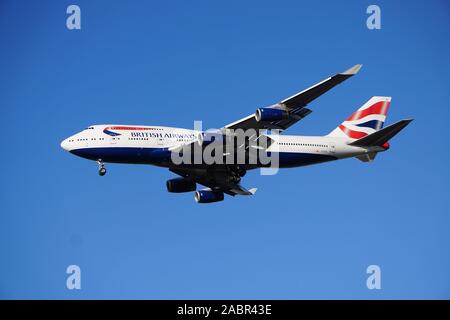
x=88, y=128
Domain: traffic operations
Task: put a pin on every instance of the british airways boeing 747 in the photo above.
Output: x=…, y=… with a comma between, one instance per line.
x=255, y=137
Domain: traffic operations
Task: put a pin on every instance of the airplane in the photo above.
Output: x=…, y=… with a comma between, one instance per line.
x=360, y=136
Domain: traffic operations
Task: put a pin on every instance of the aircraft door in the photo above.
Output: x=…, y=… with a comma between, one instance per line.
x=331, y=147
x=113, y=140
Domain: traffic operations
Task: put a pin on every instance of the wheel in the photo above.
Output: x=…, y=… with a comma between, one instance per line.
x=102, y=171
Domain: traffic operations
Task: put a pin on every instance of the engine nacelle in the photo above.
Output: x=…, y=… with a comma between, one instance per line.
x=270, y=114
x=178, y=185
x=207, y=196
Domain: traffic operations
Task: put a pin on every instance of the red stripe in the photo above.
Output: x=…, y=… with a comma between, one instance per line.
x=351, y=133
x=128, y=128
x=376, y=108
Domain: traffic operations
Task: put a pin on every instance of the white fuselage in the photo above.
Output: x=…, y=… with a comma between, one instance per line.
x=152, y=145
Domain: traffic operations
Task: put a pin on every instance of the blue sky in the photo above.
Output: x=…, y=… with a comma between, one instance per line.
x=307, y=233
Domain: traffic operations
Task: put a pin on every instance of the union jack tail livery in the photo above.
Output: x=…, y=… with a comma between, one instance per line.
x=365, y=121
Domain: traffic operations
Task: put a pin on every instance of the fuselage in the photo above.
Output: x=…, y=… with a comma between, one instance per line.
x=136, y=144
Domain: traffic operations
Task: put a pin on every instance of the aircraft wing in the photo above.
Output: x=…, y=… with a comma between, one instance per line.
x=219, y=183
x=224, y=180
x=295, y=105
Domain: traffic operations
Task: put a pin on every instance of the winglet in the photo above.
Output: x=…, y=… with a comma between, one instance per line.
x=353, y=70
x=253, y=190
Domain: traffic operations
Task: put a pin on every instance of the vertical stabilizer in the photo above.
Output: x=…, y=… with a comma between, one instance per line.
x=366, y=120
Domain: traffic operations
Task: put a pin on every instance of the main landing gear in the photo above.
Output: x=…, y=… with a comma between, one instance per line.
x=101, y=167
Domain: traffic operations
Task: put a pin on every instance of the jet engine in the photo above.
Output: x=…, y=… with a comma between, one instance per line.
x=207, y=196
x=178, y=185
x=270, y=114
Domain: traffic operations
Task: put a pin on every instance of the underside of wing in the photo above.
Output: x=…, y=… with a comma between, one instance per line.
x=220, y=180
x=250, y=121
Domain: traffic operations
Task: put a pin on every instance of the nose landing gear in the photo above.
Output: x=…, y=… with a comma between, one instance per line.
x=101, y=167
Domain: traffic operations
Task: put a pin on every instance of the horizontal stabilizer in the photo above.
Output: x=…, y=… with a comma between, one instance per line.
x=367, y=157
x=379, y=137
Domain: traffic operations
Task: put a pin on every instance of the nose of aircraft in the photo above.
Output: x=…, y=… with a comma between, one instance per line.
x=65, y=145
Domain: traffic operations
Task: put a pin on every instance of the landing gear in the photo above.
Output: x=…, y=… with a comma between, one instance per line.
x=101, y=168
x=241, y=171
x=102, y=171
x=235, y=173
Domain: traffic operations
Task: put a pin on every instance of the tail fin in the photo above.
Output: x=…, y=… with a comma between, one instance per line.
x=365, y=121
